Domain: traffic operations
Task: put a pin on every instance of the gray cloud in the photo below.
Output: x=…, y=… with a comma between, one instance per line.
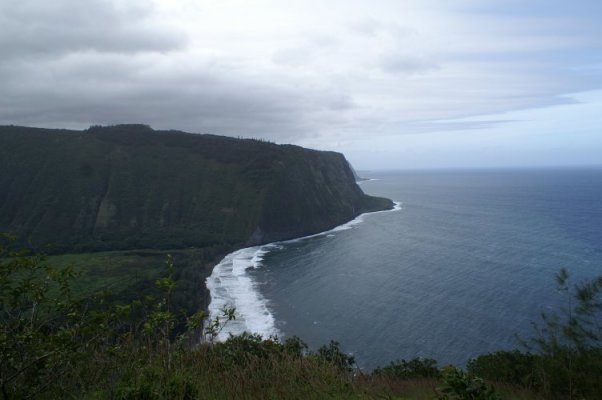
x=33, y=29
x=94, y=88
x=284, y=76
x=71, y=64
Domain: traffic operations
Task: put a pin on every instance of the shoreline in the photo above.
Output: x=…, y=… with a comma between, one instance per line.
x=230, y=285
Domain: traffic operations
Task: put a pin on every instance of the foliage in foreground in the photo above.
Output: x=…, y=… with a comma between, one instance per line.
x=57, y=345
x=415, y=368
x=459, y=385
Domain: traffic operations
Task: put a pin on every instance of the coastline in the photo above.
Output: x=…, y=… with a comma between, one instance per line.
x=230, y=285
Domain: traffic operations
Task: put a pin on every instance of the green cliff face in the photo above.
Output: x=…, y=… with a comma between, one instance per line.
x=129, y=186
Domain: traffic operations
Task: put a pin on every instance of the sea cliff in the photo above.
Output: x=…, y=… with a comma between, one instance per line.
x=129, y=186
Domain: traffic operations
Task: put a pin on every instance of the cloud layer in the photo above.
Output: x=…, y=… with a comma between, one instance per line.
x=295, y=72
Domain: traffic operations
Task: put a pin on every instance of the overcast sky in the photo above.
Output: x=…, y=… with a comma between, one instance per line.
x=392, y=84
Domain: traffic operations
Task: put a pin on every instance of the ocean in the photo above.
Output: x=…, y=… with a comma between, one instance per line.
x=464, y=265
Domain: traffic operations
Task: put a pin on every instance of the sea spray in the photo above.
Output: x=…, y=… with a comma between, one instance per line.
x=231, y=285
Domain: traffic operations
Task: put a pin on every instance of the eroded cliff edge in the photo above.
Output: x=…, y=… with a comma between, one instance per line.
x=128, y=186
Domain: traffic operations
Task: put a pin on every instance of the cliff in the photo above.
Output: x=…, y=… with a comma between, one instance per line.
x=128, y=186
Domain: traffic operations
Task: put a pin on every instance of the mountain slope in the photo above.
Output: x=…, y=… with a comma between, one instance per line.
x=128, y=186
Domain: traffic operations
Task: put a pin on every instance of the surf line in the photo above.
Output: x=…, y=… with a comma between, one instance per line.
x=231, y=285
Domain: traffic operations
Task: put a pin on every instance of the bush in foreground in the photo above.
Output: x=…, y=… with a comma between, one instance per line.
x=54, y=345
x=414, y=368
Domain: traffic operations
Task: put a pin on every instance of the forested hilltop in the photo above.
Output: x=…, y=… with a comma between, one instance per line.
x=131, y=187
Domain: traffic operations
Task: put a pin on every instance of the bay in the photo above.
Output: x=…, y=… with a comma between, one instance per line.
x=464, y=266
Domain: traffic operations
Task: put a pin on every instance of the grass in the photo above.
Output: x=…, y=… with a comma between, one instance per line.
x=387, y=387
x=203, y=373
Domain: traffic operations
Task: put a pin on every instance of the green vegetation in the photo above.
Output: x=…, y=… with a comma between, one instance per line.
x=58, y=342
x=124, y=276
x=415, y=368
x=130, y=187
x=459, y=385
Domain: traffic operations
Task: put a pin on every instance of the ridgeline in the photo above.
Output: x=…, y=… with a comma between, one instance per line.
x=130, y=187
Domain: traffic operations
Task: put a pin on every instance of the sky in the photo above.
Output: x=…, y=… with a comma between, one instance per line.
x=392, y=84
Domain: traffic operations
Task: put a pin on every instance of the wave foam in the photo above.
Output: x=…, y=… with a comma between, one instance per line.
x=367, y=180
x=230, y=285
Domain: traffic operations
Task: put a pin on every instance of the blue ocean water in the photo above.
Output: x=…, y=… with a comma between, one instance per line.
x=467, y=263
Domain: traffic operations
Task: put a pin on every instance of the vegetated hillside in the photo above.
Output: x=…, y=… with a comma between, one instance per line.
x=128, y=186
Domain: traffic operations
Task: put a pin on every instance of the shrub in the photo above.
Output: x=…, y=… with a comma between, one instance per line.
x=414, y=368
x=458, y=385
x=332, y=353
x=512, y=367
x=43, y=329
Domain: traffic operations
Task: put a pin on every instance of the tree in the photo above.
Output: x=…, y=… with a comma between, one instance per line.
x=42, y=326
x=570, y=342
